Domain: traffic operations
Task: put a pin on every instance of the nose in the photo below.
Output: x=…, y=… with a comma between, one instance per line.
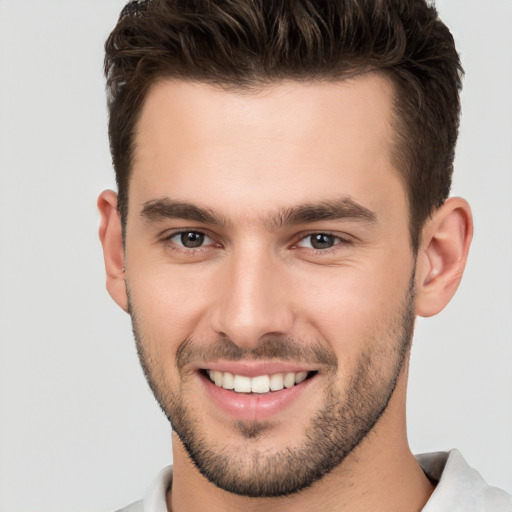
x=254, y=300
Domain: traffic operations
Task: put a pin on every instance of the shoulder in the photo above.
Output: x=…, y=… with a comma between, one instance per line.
x=460, y=487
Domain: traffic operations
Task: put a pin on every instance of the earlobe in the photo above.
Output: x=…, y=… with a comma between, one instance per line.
x=442, y=256
x=111, y=238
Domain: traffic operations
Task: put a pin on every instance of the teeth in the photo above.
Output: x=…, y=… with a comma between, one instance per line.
x=228, y=381
x=299, y=377
x=217, y=378
x=289, y=380
x=276, y=382
x=242, y=384
x=260, y=384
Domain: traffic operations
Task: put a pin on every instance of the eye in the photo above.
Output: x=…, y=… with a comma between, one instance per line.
x=191, y=239
x=319, y=241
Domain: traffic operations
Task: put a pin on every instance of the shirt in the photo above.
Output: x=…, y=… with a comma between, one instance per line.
x=459, y=488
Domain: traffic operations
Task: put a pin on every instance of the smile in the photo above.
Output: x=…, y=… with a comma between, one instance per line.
x=258, y=384
x=258, y=390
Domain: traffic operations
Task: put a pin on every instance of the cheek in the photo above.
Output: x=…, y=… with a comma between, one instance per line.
x=355, y=307
x=168, y=304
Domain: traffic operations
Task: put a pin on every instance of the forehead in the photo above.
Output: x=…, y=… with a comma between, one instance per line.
x=286, y=143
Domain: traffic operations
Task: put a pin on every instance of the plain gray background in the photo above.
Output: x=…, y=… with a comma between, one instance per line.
x=79, y=429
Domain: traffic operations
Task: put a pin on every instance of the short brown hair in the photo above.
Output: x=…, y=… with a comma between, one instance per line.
x=244, y=44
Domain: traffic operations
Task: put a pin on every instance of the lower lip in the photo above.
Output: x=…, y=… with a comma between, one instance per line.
x=254, y=406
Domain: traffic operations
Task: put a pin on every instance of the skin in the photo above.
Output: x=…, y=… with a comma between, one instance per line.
x=248, y=158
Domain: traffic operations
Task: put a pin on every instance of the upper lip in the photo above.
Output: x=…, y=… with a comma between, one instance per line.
x=255, y=368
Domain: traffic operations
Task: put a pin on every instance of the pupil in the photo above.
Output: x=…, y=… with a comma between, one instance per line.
x=322, y=241
x=192, y=239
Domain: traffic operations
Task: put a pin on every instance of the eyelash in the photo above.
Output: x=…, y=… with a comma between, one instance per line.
x=175, y=246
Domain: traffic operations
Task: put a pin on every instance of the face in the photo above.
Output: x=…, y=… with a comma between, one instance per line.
x=270, y=274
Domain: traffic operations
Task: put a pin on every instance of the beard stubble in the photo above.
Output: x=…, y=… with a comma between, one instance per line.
x=333, y=432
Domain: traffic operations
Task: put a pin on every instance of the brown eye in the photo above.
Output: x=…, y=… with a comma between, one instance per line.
x=191, y=239
x=322, y=241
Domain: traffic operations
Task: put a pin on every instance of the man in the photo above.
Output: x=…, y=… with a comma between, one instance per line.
x=282, y=217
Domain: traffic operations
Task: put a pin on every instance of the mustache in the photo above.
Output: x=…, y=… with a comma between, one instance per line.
x=271, y=348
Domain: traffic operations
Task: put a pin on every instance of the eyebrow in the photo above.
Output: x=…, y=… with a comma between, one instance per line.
x=340, y=209
x=161, y=209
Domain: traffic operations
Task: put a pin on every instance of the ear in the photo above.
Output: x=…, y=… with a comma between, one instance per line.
x=442, y=256
x=113, y=251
